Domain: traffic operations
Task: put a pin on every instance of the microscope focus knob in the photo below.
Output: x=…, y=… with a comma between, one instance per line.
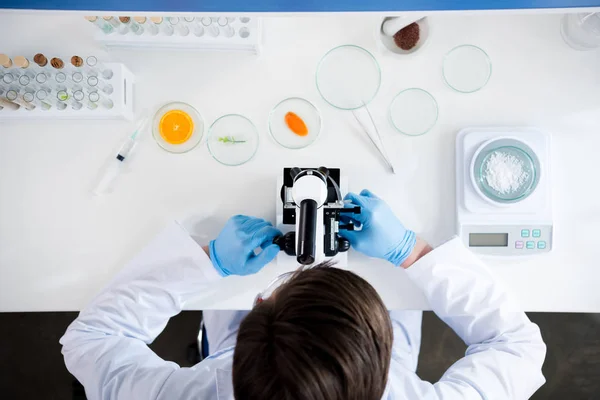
x=287, y=243
x=343, y=244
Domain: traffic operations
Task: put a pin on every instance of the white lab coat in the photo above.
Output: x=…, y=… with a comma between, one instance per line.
x=106, y=346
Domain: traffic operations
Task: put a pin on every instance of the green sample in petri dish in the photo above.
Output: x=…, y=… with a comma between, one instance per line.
x=232, y=140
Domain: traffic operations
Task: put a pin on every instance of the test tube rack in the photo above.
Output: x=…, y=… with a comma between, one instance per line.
x=240, y=34
x=122, y=99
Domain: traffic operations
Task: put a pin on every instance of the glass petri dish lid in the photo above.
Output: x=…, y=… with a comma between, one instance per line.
x=505, y=171
x=348, y=77
x=232, y=139
x=177, y=127
x=466, y=68
x=295, y=123
x=413, y=112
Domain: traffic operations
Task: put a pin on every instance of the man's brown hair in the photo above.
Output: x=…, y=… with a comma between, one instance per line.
x=324, y=335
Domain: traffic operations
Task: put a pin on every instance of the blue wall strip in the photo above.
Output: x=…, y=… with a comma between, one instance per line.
x=289, y=5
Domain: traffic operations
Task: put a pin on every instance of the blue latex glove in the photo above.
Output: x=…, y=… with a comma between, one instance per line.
x=232, y=252
x=382, y=235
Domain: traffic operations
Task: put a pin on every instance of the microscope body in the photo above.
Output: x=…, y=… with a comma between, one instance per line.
x=311, y=202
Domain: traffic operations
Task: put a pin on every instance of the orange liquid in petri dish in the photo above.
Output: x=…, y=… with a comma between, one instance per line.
x=176, y=127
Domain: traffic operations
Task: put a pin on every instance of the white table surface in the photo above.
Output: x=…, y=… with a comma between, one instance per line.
x=59, y=244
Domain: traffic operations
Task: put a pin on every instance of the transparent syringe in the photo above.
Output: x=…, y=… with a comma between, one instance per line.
x=113, y=168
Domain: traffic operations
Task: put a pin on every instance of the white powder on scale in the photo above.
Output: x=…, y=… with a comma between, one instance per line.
x=505, y=173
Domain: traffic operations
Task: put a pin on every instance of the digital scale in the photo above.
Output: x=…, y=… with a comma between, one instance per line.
x=520, y=228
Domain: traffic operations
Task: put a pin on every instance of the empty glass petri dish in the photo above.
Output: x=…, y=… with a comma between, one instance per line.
x=466, y=68
x=177, y=127
x=505, y=170
x=348, y=77
x=413, y=112
x=295, y=123
x=232, y=139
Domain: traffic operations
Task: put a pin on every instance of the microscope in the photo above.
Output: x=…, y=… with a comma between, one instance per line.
x=309, y=210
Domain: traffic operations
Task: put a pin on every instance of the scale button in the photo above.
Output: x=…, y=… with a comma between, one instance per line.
x=524, y=232
x=541, y=244
x=530, y=245
x=518, y=244
x=536, y=233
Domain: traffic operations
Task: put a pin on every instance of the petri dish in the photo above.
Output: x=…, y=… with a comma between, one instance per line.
x=466, y=68
x=510, y=156
x=295, y=123
x=232, y=140
x=413, y=112
x=177, y=127
x=348, y=77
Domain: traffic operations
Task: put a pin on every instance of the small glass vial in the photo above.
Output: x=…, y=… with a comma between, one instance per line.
x=92, y=100
x=104, y=26
x=181, y=29
x=42, y=99
x=210, y=29
x=60, y=105
x=59, y=81
x=24, y=80
x=227, y=30
x=5, y=61
x=40, y=60
x=62, y=95
x=8, y=78
x=148, y=26
x=112, y=21
x=92, y=84
x=57, y=64
x=75, y=105
x=116, y=23
x=77, y=77
x=77, y=62
x=105, y=72
x=41, y=81
x=106, y=88
x=132, y=25
x=29, y=97
x=76, y=100
x=195, y=26
x=78, y=95
x=23, y=67
x=107, y=103
x=167, y=29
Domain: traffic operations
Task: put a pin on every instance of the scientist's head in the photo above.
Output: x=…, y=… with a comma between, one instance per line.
x=323, y=335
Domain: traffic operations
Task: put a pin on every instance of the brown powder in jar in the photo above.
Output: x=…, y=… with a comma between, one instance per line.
x=40, y=59
x=125, y=20
x=57, y=63
x=407, y=37
x=77, y=61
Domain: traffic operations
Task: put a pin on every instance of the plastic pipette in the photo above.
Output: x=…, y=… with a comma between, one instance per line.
x=113, y=168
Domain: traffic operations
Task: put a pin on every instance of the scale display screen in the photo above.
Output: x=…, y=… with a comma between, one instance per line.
x=488, y=239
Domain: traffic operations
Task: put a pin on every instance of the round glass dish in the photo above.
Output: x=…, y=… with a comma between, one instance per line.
x=510, y=157
x=281, y=123
x=348, y=77
x=466, y=68
x=413, y=112
x=171, y=119
x=232, y=139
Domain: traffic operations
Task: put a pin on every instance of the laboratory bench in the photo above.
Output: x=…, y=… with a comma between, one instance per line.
x=60, y=244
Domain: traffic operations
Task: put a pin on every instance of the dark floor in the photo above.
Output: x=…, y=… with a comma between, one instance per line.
x=31, y=366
